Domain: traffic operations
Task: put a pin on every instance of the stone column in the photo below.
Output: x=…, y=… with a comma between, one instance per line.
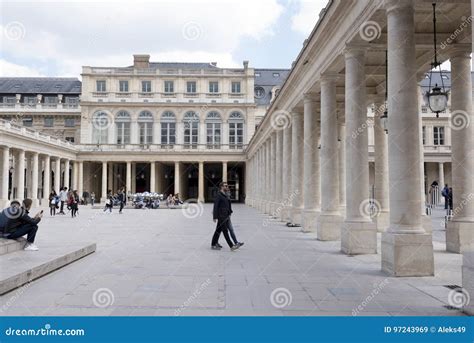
x=34, y=179
x=66, y=174
x=278, y=173
x=134, y=177
x=110, y=177
x=224, y=171
x=74, y=175
x=425, y=219
x=341, y=154
x=286, y=171
x=177, y=178
x=104, y=182
x=441, y=175
x=20, y=175
x=329, y=221
x=201, y=182
x=359, y=234
x=57, y=174
x=46, y=180
x=311, y=193
x=407, y=250
x=128, y=182
x=460, y=231
x=80, y=178
x=268, y=184
x=5, y=176
x=272, y=190
x=297, y=184
x=152, y=177
x=382, y=215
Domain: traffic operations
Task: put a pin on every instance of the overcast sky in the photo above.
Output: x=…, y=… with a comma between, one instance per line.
x=44, y=38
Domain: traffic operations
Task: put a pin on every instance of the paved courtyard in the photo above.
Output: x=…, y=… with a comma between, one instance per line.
x=159, y=262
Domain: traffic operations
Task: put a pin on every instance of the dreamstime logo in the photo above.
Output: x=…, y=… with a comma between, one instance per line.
x=280, y=120
x=192, y=208
x=466, y=21
x=13, y=212
x=369, y=208
x=370, y=30
x=281, y=297
x=14, y=30
x=193, y=297
x=102, y=121
x=459, y=120
x=103, y=297
x=192, y=31
x=459, y=297
x=375, y=291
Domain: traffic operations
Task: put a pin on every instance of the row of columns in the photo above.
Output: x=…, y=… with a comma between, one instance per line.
x=28, y=163
x=326, y=189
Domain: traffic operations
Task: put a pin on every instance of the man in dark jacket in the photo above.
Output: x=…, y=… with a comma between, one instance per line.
x=19, y=223
x=221, y=215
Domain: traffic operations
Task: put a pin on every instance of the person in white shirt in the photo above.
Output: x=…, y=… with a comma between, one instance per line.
x=63, y=199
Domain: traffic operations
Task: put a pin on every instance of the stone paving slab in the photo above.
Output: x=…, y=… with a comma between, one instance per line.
x=159, y=262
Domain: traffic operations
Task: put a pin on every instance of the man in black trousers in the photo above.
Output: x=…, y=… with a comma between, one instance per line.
x=221, y=215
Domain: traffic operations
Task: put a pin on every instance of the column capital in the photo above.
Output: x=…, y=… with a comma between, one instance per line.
x=328, y=76
x=310, y=97
x=391, y=5
x=459, y=50
x=355, y=50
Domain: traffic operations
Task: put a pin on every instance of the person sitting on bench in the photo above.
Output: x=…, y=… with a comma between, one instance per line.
x=19, y=223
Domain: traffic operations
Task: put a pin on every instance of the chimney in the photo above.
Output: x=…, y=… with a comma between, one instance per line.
x=246, y=64
x=141, y=61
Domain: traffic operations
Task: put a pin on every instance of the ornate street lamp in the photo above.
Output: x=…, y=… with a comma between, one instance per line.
x=384, y=116
x=437, y=96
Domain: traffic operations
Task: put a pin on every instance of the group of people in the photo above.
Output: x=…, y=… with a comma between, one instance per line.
x=173, y=200
x=16, y=222
x=120, y=197
x=65, y=197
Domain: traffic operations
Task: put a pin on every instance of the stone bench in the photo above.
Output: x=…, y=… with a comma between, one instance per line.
x=11, y=245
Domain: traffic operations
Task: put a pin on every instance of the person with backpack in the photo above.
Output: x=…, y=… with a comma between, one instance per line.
x=53, y=203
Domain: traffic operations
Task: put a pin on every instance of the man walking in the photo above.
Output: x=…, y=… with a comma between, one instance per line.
x=122, y=198
x=221, y=215
x=231, y=227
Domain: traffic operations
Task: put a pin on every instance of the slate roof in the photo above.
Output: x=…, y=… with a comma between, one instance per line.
x=40, y=85
x=265, y=79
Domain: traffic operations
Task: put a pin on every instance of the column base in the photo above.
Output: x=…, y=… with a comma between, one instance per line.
x=328, y=227
x=407, y=254
x=4, y=203
x=296, y=216
x=382, y=221
x=427, y=223
x=35, y=203
x=267, y=207
x=468, y=280
x=285, y=214
x=460, y=236
x=308, y=221
x=358, y=238
x=277, y=211
x=273, y=207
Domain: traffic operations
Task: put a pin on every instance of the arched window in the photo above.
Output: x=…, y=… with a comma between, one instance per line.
x=191, y=129
x=145, y=125
x=236, y=130
x=168, y=128
x=122, y=123
x=213, y=127
x=101, y=121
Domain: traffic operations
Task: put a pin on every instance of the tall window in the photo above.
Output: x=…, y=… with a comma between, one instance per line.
x=423, y=134
x=236, y=130
x=168, y=128
x=191, y=129
x=100, y=86
x=191, y=87
x=438, y=135
x=100, y=124
x=213, y=127
x=236, y=87
x=122, y=123
x=145, y=125
x=169, y=87
x=48, y=122
x=123, y=86
x=146, y=86
x=213, y=87
x=69, y=122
